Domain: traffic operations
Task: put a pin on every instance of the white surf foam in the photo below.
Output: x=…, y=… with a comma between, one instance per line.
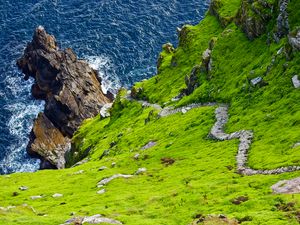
x=105, y=67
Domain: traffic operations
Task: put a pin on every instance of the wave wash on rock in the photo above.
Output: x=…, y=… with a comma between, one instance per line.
x=71, y=90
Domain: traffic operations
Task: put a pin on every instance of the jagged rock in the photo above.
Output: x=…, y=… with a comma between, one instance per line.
x=183, y=35
x=253, y=17
x=47, y=142
x=192, y=80
x=282, y=20
x=71, y=89
x=294, y=40
x=296, y=81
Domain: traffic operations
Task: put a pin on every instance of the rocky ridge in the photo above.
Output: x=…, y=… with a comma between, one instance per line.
x=71, y=90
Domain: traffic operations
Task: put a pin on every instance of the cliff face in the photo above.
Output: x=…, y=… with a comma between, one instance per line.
x=71, y=90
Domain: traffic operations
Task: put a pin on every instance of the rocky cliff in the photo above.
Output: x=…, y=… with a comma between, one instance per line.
x=71, y=90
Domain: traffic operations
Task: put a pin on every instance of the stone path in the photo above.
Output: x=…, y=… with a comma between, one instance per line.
x=217, y=132
x=245, y=137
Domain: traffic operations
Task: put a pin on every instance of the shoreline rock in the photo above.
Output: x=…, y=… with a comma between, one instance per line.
x=71, y=90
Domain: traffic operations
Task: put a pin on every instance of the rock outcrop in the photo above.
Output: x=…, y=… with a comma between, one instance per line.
x=71, y=90
x=294, y=40
x=282, y=20
x=253, y=17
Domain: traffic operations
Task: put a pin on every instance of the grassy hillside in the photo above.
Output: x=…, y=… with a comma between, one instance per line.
x=188, y=175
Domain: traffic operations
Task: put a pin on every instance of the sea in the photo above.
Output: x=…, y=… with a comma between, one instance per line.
x=119, y=38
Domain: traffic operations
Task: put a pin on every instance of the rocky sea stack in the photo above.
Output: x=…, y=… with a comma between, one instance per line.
x=71, y=90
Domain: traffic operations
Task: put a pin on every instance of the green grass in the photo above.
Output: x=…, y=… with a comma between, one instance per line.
x=203, y=179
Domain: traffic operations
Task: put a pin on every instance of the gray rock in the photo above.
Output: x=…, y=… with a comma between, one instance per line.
x=294, y=40
x=109, y=179
x=57, y=195
x=256, y=81
x=35, y=197
x=102, y=168
x=23, y=188
x=287, y=186
x=296, y=81
x=149, y=145
x=102, y=191
x=78, y=172
x=140, y=171
x=136, y=156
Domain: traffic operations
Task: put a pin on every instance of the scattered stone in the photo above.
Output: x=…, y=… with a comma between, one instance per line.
x=102, y=168
x=239, y=200
x=294, y=40
x=149, y=145
x=102, y=191
x=256, y=81
x=96, y=219
x=35, y=197
x=167, y=161
x=23, y=188
x=215, y=220
x=80, y=162
x=140, y=171
x=136, y=156
x=109, y=179
x=296, y=81
x=57, y=195
x=15, y=194
x=296, y=145
x=78, y=172
x=113, y=164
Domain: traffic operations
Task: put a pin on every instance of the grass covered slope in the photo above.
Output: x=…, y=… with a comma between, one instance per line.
x=188, y=174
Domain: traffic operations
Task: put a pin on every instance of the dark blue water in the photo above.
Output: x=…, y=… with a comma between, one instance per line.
x=121, y=38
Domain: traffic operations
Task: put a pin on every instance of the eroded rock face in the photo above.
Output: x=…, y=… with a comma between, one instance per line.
x=48, y=142
x=253, y=17
x=70, y=88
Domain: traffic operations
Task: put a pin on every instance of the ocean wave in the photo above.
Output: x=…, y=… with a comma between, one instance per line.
x=105, y=68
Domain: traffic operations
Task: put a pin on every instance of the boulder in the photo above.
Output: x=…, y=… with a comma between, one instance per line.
x=296, y=81
x=294, y=40
x=71, y=90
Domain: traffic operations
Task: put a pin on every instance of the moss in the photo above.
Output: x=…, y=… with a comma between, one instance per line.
x=201, y=179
